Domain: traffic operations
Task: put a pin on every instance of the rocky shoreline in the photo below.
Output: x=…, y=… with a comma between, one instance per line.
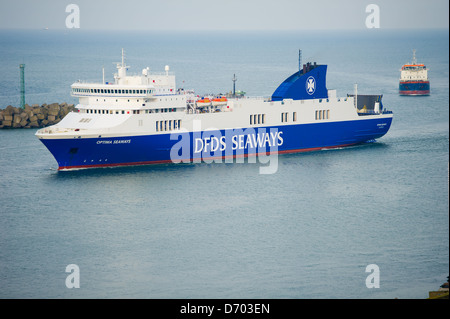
x=34, y=116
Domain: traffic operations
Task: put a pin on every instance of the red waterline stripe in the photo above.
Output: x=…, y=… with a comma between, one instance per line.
x=301, y=150
x=414, y=82
x=416, y=92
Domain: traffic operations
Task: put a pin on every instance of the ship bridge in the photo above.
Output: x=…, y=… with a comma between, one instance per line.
x=145, y=85
x=112, y=90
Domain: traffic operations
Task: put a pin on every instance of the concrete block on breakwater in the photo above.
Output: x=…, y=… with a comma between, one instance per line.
x=34, y=116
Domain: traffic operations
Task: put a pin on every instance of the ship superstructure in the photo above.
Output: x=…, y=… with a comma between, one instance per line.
x=145, y=119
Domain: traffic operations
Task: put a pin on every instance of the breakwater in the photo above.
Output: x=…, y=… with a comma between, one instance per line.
x=34, y=116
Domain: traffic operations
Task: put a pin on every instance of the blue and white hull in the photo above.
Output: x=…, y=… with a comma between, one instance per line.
x=212, y=145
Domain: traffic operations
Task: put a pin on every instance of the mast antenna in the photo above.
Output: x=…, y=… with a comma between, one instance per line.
x=234, y=85
x=299, y=59
x=121, y=70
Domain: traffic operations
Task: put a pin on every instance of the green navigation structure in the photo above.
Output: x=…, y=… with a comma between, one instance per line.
x=22, y=85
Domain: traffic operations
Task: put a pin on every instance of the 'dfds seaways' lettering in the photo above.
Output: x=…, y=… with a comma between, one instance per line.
x=244, y=141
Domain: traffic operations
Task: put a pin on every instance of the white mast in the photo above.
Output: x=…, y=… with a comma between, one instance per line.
x=121, y=70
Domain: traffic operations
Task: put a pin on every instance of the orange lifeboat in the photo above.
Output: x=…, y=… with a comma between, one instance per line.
x=203, y=102
x=219, y=101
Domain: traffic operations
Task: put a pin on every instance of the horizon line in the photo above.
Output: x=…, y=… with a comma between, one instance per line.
x=225, y=30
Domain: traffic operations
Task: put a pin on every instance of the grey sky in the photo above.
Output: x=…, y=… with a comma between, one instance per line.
x=223, y=14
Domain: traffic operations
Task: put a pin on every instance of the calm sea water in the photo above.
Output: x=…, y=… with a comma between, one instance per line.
x=224, y=230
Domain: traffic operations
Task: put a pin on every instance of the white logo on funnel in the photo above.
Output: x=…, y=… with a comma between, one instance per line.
x=310, y=85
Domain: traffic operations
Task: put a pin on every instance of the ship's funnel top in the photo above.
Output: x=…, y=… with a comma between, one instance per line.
x=308, y=83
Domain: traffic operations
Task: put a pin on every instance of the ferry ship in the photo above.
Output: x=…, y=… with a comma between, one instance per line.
x=414, y=78
x=144, y=119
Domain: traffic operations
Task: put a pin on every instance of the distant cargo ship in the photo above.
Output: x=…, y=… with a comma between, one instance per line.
x=414, y=78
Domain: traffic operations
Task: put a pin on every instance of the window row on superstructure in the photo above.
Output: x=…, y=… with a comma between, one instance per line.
x=261, y=118
x=146, y=111
x=168, y=125
x=112, y=91
x=285, y=117
x=322, y=114
x=257, y=119
x=166, y=99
